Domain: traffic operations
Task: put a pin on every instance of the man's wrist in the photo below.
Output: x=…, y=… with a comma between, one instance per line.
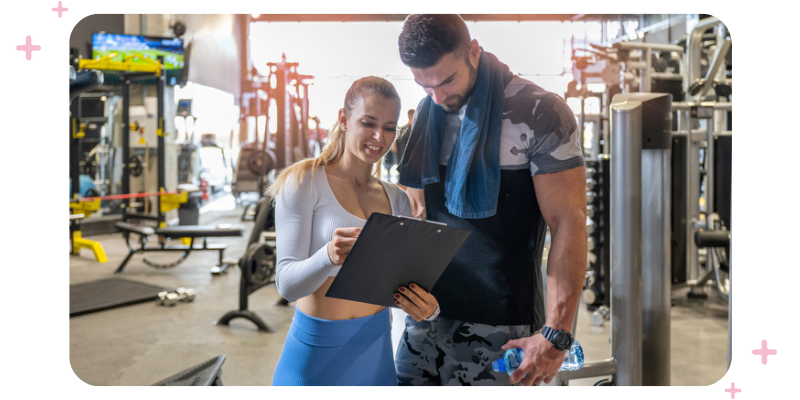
x=561, y=339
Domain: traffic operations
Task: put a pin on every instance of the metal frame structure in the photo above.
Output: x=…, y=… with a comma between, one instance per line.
x=292, y=136
x=127, y=80
x=640, y=284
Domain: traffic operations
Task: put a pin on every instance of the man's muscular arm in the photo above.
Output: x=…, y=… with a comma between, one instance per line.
x=562, y=200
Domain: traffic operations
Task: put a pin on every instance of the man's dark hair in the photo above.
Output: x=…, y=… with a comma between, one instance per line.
x=425, y=38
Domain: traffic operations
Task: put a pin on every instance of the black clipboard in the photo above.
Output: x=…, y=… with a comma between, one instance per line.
x=394, y=251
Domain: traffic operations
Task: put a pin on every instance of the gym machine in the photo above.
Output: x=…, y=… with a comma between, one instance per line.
x=293, y=139
x=257, y=265
x=700, y=155
x=165, y=201
x=639, y=182
x=80, y=82
x=186, y=233
x=707, y=228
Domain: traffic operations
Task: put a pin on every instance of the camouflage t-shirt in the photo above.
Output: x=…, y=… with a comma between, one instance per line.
x=496, y=277
x=539, y=131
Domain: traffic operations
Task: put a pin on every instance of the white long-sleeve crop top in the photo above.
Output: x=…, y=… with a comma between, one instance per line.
x=306, y=215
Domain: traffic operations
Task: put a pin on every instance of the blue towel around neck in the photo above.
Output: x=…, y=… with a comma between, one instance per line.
x=472, y=182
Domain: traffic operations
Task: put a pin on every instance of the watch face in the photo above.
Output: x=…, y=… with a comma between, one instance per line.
x=563, y=342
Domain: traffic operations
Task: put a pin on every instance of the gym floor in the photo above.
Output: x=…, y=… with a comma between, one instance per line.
x=142, y=344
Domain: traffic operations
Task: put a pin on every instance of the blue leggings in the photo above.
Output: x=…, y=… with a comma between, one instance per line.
x=319, y=352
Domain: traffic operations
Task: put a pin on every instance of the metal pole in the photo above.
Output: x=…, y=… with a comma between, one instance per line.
x=74, y=128
x=160, y=133
x=648, y=46
x=692, y=179
x=645, y=76
x=126, y=137
x=656, y=266
x=582, y=125
x=589, y=370
x=709, y=167
x=694, y=51
x=626, y=251
x=282, y=157
x=693, y=54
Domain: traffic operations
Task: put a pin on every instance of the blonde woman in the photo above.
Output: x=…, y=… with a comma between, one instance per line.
x=321, y=205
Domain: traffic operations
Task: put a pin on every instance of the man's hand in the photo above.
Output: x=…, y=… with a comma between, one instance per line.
x=417, y=199
x=540, y=362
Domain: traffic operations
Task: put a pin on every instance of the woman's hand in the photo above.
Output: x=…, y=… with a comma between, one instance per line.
x=341, y=244
x=416, y=302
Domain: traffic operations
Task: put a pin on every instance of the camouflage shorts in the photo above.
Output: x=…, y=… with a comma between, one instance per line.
x=448, y=352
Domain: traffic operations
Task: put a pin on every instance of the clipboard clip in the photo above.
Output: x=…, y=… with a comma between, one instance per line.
x=422, y=220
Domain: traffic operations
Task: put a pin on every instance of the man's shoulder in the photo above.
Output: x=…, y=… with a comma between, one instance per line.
x=527, y=101
x=521, y=90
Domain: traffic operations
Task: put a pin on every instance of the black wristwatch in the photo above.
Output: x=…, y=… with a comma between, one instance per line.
x=561, y=339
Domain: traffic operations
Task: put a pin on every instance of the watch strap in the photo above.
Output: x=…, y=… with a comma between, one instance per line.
x=551, y=334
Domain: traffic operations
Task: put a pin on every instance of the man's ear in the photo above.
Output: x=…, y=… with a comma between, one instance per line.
x=474, y=53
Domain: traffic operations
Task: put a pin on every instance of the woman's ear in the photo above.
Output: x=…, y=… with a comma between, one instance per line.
x=342, y=120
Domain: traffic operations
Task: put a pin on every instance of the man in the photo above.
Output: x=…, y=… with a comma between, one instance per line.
x=498, y=155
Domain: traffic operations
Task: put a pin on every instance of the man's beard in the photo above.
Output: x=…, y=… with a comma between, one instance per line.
x=455, y=102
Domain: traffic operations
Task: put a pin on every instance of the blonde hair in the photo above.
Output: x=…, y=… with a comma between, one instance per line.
x=334, y=148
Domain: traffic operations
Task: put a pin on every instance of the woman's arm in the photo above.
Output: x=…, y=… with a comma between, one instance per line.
x=298, y=273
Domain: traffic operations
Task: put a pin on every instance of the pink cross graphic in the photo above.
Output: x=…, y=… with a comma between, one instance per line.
x=28, y=48
x=733, y=390
x=764, y=352
x=60, y=9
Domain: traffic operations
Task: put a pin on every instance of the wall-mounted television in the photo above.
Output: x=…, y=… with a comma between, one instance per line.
x=148, y=46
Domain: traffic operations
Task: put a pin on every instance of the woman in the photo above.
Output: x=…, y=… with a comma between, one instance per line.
x=321, y=205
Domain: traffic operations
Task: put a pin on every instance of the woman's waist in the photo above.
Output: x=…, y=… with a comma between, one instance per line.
x=319, y=331
x=317, y=305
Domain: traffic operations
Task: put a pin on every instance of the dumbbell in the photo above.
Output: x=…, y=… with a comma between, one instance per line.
x=589, y=197
x=590, y=184
x=185, y=295
x=588, y=295
x=601, y=314
x=168, y=299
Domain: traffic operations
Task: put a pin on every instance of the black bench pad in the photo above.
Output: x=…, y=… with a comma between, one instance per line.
x=199, y=231
x=140, y=229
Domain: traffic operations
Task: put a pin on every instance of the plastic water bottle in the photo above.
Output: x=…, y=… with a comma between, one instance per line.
x=511, y=360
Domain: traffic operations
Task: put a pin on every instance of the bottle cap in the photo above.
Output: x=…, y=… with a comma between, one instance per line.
x=499, y=365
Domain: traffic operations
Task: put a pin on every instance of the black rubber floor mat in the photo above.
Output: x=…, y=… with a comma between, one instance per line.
x=109, y=293
x=204, y=374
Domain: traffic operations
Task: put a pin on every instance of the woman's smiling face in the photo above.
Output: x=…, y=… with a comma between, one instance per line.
x=370, y=127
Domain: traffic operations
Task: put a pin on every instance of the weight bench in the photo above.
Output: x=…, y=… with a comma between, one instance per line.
x=183, y=231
